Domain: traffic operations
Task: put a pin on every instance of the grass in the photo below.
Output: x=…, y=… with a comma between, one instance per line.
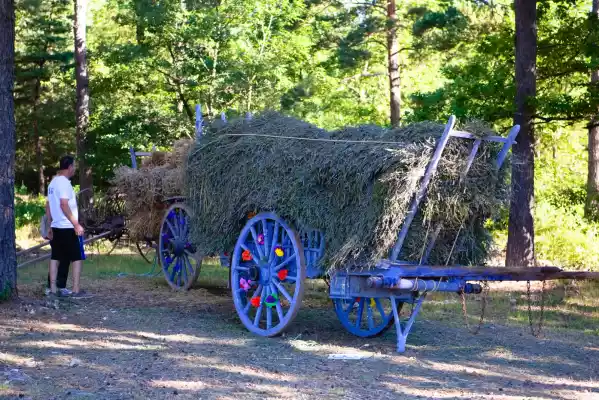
x=123, y=262
x=568, y=305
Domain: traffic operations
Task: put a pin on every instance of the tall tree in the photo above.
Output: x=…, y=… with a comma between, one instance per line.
x=41, y=53
x=520, y=245
x=592, y=203
x=82, y=108
x=8, y=257
x=376, y=28
x=393, y=64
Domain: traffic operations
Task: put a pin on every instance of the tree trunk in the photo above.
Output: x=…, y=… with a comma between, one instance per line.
x=592, y=203
x=36, y=134
x=82, y=110
x=520, y=245
x=8, y=256
x=393, y=65
x=39, y=158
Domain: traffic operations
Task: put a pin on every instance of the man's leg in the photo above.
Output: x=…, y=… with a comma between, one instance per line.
x=76, y=275
x=63, y=274
x=53, y=273
x=56, y=248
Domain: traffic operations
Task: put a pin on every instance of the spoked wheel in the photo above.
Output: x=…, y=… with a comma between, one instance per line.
x=113, y=246
x=268, y=270
x=365, y=316
x=178, y=258
x=146, y=250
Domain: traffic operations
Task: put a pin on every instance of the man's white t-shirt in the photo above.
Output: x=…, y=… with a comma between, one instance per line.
x=61, y=188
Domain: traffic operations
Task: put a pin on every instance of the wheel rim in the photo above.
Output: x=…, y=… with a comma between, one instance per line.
x=365, y=316
x=146, y=251
x=269, y=303
x=178, y=258
x=116, y=242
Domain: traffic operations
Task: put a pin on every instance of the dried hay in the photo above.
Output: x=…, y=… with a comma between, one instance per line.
x=160, y=177
x=358, y=194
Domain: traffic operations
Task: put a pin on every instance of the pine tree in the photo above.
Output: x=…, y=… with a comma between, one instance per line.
x=520, y=245
x=82, y=107
x=42, y=53
x=592, y=202
x=8, y=257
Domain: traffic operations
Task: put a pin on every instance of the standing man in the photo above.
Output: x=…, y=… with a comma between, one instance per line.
x=64, y=226
x=63, y=267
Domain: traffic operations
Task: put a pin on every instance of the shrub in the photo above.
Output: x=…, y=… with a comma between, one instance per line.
x=29, y=210
x=565, y=238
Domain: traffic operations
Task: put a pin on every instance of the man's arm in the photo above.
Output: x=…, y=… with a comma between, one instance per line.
x=49, y=219
x=48, y=213
x=64, y=206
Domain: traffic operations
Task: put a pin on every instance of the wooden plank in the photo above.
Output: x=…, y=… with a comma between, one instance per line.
x=47, y=256
x=29, y=250
x=577, y=275
x=467, y=135
x=486, y=273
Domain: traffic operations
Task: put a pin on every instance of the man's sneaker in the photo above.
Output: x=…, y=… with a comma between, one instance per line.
x=64, y=292
x=82, y=294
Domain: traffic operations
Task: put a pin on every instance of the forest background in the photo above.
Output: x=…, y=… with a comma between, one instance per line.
x=333, y=63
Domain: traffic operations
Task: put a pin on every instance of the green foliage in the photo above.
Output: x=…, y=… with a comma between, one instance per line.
x=325, y=62
x=29, y=210
x=43, y=104
x=565, y=238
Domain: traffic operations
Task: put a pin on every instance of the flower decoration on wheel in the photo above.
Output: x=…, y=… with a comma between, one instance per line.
x=279, y=251
x=271, y=300
x=282, y=274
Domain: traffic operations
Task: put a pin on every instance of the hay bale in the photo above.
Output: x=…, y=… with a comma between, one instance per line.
x=156, y=159
x=160, y=177
x=358, y=194
x=143, y=225
x=180, y=152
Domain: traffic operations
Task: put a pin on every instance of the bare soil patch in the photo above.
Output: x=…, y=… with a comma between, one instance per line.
x=139, y=340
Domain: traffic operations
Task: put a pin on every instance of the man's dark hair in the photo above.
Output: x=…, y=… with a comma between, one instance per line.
x=66, y=162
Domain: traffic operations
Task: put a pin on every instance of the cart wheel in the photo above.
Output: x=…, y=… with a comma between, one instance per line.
x=145, y=250
x=267, y=275
x=116, y=242
x=178, y=258
x=365, y=316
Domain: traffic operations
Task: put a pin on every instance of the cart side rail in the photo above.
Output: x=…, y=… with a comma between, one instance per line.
x=431, y=169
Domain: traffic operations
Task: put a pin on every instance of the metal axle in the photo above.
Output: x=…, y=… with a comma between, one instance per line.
x=422, y=285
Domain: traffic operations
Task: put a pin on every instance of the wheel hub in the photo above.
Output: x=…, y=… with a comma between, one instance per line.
x=179, y=247
x=265, y=274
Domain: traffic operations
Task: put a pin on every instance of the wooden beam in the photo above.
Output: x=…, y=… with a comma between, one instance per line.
x=486, y=273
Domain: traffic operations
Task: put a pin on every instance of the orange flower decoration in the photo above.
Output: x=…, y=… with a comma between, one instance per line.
x=282, y=274
x=251, y=215
x=255, y=301
x=246, y=256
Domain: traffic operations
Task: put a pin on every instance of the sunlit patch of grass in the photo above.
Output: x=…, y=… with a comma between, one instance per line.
x=573, y=306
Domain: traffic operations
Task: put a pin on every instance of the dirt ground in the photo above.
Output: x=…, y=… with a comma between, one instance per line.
x=138, y=340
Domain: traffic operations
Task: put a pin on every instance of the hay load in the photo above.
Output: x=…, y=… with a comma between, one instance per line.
x=358, y=194
x=160, y=176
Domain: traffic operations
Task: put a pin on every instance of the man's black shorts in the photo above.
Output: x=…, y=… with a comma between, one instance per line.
x=65, y=245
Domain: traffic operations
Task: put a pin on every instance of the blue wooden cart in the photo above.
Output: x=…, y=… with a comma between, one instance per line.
x=272, y=260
